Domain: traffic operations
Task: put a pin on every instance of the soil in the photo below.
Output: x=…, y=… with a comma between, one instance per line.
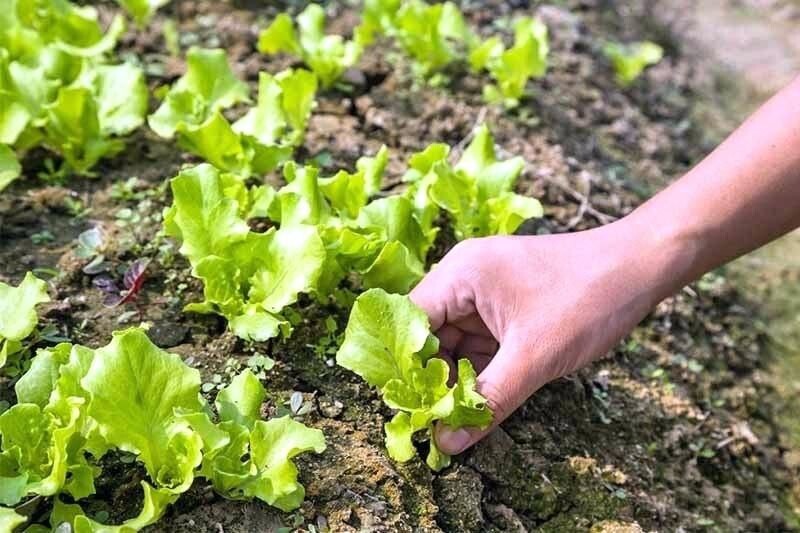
x=678, y=429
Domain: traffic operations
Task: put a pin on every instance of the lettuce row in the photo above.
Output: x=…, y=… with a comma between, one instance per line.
x=477, y=192
x=437, y=35
x=630, y=60
x=57, y=90
x=328, y=56
x=255, y=144
x=388, y=343
x=432, y=35
x=18, y=316
x=75, y=404
x=512, y=68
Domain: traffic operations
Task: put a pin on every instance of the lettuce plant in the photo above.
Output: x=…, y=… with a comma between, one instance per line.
x=388, y=343
x=432, y=35
x=75, y=404
x=18, y=316
x=630, y=60
x=259, y=141
x=328, y=56
x=57, y=90
x=477, y=192
x=512, y=68
x=248, y=277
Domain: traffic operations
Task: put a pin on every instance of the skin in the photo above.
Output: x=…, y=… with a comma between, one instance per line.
x=531, y=309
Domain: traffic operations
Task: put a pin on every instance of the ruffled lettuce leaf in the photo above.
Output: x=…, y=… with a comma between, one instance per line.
x=142, y=10
x=388, y=343
x=18, y=316
x=56, y=89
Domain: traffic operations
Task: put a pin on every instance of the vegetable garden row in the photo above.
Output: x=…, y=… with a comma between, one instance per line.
x=64, y=90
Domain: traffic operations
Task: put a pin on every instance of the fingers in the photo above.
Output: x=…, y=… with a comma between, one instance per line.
x=505, y=383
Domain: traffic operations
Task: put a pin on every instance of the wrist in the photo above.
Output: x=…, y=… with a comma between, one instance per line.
x=665, y=251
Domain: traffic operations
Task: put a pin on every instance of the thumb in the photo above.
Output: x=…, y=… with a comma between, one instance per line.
x=444, y=293
x=505, y=383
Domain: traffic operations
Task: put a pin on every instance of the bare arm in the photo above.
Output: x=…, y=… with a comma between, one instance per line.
x=527, y=310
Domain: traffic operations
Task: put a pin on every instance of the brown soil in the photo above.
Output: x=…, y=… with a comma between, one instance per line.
x=675, y=431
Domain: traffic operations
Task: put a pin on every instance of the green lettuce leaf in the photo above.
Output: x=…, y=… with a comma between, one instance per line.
x=18, y=316
x=135, y=389
x=388, y=343
x=285, y=102
x=9, y=519
x=477, y=192
x=10, y=169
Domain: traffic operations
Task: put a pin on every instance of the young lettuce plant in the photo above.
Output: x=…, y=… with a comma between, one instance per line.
x=328, y=56
x=630, y=60
x=56, y=89
x=477, y=192
x=76, y=404
x=256, y=143
x=18, y=316
x=389, y=344
x=248, y=277
x=512, y=68
x=245, y=457
x=434, y=35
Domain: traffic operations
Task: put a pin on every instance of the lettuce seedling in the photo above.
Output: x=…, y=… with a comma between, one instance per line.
x=433, y=35
x=259, y=141
x=18, y=316
x=477, y=192
x=389, y=344
x=328, y=56
x=630, y=60
x=512, y=68
x=248, y=277
x=245, y=457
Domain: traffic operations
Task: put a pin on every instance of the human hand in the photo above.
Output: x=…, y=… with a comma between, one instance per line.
x=529, y=309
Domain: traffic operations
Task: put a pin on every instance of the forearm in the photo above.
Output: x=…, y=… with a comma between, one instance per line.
x=743, y=195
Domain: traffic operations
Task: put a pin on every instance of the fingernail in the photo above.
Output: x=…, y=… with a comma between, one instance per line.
x=453, y=442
